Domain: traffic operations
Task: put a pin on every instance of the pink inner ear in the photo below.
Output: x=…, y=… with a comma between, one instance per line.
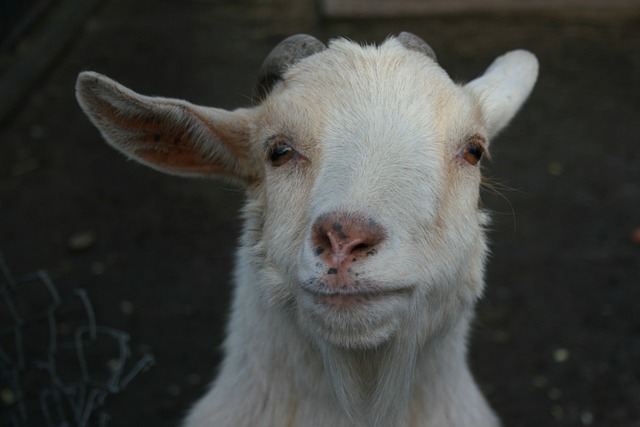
x=169, y=135
x=179, y=159
x=154, y=137
x=166, y=129
x=176, y=151
x=169, y=150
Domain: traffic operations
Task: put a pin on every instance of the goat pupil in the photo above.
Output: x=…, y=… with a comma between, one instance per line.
x=280, y=154
x=473, y=153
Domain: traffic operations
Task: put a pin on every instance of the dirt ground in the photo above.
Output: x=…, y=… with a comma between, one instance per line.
x=557, y=336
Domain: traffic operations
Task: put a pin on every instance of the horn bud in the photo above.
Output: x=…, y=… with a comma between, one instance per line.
x=285, y=54
x=415, y=43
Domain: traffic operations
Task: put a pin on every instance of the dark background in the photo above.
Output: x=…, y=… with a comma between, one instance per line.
x=557, y=336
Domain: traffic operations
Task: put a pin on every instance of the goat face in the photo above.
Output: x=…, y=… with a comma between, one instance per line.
x=371, y=184
x=361, y=165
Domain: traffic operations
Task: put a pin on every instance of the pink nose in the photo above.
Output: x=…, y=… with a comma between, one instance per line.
x=340, y=239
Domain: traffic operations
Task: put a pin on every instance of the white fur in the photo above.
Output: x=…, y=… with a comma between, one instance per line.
x=378, y=133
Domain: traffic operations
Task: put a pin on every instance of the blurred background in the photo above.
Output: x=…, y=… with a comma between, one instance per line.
x=557, y=336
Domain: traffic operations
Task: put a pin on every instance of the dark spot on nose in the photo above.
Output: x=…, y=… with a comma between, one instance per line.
x=332, y=271
x=319, y=250
x=337, y=227
x=156, y=137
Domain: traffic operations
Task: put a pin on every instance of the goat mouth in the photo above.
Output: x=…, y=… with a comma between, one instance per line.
x=350, y=295
x=348, y=300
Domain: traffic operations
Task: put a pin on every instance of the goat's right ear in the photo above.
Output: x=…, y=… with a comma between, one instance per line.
x=169, y=135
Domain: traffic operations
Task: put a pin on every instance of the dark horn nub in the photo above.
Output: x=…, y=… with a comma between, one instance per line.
x=286, y=53
x=413, y=42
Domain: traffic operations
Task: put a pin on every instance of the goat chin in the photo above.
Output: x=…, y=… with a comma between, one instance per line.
x=373, y=385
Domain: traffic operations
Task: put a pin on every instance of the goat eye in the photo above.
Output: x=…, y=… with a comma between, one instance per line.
x=280, y=153
x=472, y=153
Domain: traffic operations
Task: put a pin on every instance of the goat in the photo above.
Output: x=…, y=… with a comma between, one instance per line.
x=363, y=249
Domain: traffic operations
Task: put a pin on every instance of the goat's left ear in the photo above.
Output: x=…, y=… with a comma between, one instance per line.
x=504, y=87
x=170, y=135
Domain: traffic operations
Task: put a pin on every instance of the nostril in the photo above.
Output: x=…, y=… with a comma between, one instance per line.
x=321, y=241
x=338, y=236
x=360, y=247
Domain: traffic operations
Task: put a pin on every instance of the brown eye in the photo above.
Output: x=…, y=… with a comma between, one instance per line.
x=473, y=152
x=280, y=153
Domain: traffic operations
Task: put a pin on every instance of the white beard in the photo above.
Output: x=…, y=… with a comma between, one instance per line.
x=373, y=386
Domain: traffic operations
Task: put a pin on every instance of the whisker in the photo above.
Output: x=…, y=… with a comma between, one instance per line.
x=495, y=187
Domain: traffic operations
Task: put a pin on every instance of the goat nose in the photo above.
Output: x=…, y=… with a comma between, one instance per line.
x=341, y=238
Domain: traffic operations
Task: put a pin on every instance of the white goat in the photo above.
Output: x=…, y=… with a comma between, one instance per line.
x=363, y=248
